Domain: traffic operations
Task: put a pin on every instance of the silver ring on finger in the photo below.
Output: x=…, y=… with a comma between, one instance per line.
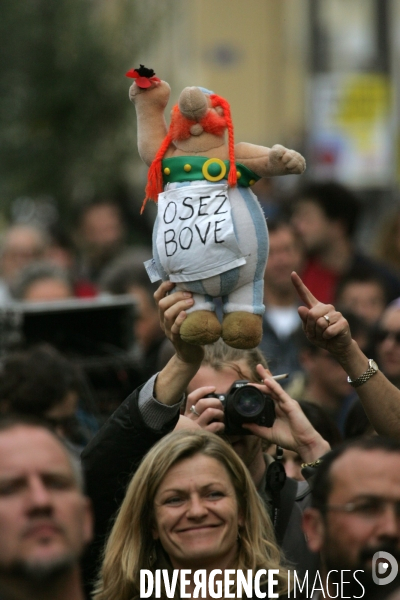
x=194, y=411
x=327, y=319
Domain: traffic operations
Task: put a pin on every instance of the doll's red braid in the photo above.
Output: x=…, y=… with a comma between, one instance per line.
x=224, y=104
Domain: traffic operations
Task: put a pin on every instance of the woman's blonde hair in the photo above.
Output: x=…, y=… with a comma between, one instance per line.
x=219, y=355
x=130, y=546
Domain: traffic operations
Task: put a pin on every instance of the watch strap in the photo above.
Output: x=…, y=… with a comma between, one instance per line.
x=365, y=376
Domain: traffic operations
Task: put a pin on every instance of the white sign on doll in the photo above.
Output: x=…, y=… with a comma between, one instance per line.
x=195, y=232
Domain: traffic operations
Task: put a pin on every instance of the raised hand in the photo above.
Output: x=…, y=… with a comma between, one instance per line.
x=291, y=429
x=323, y=325
x=208, y=413
x=157, y=93
x=171, y=311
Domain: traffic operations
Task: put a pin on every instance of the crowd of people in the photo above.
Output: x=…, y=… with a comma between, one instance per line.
x=163, y=482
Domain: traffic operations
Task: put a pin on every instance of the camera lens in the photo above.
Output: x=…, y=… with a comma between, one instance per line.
x=246, y=406
x=249, y=401
x=245, y=403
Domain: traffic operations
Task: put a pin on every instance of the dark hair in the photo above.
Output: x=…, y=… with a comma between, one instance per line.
x=322, y=422
x=34, y=381
x=357, y=422
x=362, y=274
x=322, y=484
x=336, y=200
x=37, y=271
x=59, y=236
x=128, y=270
x=282, y=223
x=85, y=206
x=11, y=420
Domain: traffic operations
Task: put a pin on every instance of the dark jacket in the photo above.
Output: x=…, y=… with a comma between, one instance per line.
x=109, y=461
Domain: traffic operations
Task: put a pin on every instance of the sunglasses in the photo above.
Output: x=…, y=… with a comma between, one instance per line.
x=383, y=334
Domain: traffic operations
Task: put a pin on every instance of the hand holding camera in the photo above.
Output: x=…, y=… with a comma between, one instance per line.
x=204, y=408
x=243, y=403
x=265, y=410
x=291, y=428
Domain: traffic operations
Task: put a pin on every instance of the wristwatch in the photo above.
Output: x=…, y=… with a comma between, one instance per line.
x=372, y=370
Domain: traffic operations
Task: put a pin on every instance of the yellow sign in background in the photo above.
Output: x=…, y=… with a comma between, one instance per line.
x=351, y=130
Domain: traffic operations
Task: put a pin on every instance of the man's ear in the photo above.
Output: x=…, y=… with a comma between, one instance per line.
x=314, y=529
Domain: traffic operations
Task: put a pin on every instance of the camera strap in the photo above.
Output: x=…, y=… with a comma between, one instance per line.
x=275, y=480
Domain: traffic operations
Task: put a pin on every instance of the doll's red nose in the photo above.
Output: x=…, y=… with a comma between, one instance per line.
x=193, y=103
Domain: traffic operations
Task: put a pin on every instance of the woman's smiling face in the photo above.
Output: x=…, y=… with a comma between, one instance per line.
x=197, y=517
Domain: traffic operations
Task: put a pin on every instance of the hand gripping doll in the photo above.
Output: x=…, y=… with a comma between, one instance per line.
x=210, y=236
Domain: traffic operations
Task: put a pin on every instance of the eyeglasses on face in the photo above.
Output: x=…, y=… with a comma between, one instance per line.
x=383, y=334
x=368, y=508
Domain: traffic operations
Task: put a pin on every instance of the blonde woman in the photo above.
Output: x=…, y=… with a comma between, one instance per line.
x=191, y=505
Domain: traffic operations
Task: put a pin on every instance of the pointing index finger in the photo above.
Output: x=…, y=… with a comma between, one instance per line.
x=303, y=292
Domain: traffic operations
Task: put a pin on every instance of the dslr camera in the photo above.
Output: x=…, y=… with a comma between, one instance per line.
x=245, y=403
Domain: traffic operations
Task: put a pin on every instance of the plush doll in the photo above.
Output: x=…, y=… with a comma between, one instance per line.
x=210, y=236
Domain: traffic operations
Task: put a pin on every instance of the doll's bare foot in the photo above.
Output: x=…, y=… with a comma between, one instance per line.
x=201, y=327
x=242, y=330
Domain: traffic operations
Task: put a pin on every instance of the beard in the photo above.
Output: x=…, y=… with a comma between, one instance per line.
x=36, y=572
x=336, y=561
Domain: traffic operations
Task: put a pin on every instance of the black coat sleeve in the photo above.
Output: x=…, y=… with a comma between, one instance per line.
x=109, y=461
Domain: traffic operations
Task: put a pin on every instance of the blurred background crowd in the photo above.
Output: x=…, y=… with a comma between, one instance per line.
x=319, y=77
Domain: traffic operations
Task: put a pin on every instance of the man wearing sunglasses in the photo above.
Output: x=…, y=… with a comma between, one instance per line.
x=354, y=521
